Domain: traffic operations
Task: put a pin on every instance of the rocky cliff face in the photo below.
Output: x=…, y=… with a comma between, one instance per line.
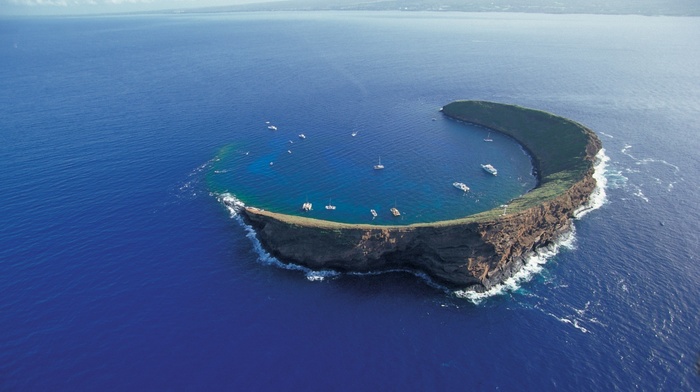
x=476, y=255
x=467, y=253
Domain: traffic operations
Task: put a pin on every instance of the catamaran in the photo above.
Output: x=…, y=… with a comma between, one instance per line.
x=306, y=206
x=489, y=169
x=302, y=136
x=395, y=211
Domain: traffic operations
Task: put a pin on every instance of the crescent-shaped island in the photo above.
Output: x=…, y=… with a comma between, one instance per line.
x=473, y=252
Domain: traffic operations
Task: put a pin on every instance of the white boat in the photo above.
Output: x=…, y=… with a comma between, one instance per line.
x=354, y=134
x=374, y=213
x=330, y=206
x=488, y=138
x=379, y=166
x=489, y=169
x=289, y=151
x=306, y=206
x=395, y=211
x=302, y=136
x=461, y=186
x=272, y=127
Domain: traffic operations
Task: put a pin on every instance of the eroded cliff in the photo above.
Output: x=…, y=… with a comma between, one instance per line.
x=477, y=251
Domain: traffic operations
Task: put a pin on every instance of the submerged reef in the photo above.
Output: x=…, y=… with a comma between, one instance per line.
x=476, y=251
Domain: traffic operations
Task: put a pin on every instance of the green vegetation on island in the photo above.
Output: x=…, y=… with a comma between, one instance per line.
x=562, y=151
x=558, y=146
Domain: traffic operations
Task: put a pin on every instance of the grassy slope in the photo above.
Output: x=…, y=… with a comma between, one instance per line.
x=557, y=145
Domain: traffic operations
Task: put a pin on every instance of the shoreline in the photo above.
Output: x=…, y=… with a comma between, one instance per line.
x=476, y=251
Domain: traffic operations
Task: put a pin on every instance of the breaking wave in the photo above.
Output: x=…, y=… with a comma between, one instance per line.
x=234, y=207
x=599, y=196
x=534, y=263
x=532, y=266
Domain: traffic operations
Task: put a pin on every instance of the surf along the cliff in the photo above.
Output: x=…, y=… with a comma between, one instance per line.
x=476, y=251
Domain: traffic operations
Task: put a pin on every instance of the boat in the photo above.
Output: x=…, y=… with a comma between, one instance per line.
x=289, y=151
x=395, y=211
x=272, y=127
x=374, y=213
x=302, y=136
x=489, y=169
x=306, y=206
x=354, y=134
x=488, y=138
x=379, y=166
x=461, y=186
x=330, y=206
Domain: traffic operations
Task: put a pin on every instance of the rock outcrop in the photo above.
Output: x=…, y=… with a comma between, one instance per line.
x=476, y=252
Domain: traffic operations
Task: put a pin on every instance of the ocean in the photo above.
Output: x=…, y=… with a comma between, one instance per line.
x=121, y=269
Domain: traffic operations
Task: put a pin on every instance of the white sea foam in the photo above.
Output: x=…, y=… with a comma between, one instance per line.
x=191, y=188
x=234, y=206
x=532, y=266
x=574, y=322
x=314, y=276
x=598, y=196
x=534, y=263
x=636, y=190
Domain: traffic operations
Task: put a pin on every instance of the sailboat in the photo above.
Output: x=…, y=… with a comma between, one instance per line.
x=330, y=206
x=379, y=166
x=488, y=138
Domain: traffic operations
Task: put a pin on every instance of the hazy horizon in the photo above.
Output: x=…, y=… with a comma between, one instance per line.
x=87, y=7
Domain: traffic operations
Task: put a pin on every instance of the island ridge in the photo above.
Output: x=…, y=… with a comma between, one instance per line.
x=475, y=251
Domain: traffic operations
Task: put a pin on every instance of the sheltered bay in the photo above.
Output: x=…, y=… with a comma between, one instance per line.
x=475, y=251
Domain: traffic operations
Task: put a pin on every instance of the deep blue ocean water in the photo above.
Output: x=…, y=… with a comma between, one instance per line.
x=121, y=270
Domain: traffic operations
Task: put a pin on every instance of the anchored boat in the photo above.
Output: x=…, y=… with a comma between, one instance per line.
x=489, y=169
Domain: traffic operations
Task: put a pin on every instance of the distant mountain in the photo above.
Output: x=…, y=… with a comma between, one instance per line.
x=638, y=7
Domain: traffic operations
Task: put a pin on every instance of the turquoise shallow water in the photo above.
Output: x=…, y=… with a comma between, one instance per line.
x=422, y=151
x=121, y=270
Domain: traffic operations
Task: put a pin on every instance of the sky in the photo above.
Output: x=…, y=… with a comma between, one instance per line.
x=66, y=7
